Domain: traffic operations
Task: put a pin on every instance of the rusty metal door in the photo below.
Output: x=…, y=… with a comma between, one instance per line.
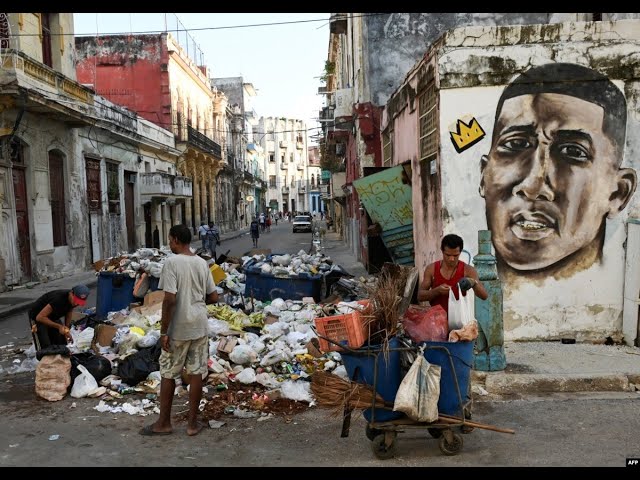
x=22, y=217
x=129, y=182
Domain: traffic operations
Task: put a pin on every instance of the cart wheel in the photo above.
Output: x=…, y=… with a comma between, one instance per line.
x=452, y=448
x=380, y=450
x=435, y=432
x=371, y=433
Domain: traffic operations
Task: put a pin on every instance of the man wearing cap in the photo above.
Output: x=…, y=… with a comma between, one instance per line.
x=47, y=312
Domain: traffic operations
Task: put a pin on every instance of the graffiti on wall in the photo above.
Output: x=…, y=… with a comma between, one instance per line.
x=466, y=134
x=553, y=174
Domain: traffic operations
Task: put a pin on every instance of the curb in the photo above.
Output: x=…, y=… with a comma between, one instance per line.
x=519, y=383
x=20, y=307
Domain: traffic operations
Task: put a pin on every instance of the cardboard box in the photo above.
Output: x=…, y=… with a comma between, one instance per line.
x=153, y=298
x=269, y=319
x=227, y=344
x=103, y=335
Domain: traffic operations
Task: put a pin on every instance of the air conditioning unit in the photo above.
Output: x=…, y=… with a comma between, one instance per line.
x=131, y=178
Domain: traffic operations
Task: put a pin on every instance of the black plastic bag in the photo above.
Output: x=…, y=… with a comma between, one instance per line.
x=136, y=367
x=96, y=365
x=53, y=350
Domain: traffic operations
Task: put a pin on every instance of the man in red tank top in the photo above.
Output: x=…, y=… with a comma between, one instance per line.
x=444, y=275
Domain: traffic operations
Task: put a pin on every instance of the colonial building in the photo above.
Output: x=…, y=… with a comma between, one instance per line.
x=246, y=169
x=72, y=164
x=284, y=142
x=154, y=76
x=316, y=186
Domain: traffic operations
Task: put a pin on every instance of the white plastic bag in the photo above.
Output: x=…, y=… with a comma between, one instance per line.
x=84, y=384
x=459, y=310
x=419, y=391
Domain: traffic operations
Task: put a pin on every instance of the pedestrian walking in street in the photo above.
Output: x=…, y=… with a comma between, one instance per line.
x=254, y=228
x=188, y=286
x=45, y=316
x=212, y=239
x=202, y=232
x=268, y=223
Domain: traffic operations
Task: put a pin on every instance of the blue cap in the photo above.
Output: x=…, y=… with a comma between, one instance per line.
x=81, y=291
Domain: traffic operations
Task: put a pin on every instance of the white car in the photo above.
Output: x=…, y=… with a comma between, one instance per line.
x=301, y=223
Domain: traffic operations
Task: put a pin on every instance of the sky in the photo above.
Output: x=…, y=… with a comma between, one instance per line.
x=283, y=62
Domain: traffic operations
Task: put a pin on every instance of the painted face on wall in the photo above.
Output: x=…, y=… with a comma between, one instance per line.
x=550, y=180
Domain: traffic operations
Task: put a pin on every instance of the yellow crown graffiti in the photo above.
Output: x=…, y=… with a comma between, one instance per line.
x=466, y=135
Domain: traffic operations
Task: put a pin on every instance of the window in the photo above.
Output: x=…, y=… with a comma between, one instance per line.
x=272, y=158
x=113, y=188
x=313, y=181
x=291, y=158
x=93, y=183
x=387, y=148
x=56, y=195
x=282, y=158
x=272, y=181
x=428, y=122
x=45, y=24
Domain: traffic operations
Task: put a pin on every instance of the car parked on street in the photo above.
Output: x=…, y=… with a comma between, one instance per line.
x=301, y=223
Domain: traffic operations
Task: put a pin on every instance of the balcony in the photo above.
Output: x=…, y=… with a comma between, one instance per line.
x=156, y=184
x=300, y=145
x=302, y=189
x=284, y=144
x=283, y=165
x=285, y=190
x=204, y=143
x=182, y=187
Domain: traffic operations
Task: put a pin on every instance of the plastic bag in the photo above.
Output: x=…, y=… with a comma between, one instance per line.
x=459, y=310
x=98, y=366
x=84, y=384
x=142, y=286
x=419, y=391
x=424, y=324
x=138, y=366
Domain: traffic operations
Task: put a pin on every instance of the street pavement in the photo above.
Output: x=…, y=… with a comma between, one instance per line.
x=532, y=367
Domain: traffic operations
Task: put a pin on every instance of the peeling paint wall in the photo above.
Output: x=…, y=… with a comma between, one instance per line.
x=577, y=296
x=130, y=71
x=395, y=41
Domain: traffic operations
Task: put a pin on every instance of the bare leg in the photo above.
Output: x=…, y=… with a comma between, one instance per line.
x=163, y=424
x=195, y=394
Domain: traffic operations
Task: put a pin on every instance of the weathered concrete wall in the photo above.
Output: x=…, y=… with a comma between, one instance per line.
x=25, y=36
x=130, y=71
x=396, y=41
x=233, y=89
x=560, y=233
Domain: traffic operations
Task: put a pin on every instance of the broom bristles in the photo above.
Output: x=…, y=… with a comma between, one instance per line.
x=335, y=393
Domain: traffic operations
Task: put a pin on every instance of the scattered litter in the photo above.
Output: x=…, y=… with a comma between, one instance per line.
x=479, y=390
x=14, y=445
x=54, y=437
x=217, y=424
x=73, y=405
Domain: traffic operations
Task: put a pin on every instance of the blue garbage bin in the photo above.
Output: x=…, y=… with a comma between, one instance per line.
x=389, y=376
x=462, y=356
x=115, y=292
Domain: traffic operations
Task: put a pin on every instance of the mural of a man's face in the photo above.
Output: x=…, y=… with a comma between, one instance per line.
x=551, y=178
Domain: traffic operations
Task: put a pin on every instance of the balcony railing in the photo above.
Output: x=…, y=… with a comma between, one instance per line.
x=203, y=142
x=302, y=189
x=285, y=190
x=158, y=183
x=284, y=144
x=300, y=145
x=182, y=187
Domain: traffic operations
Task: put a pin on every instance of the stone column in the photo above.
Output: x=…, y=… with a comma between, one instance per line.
x=490, y=355
x=196, y=174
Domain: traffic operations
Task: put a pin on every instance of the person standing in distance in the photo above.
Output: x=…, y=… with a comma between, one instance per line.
x=552, y=176
x=450, y=272
x=188, y=286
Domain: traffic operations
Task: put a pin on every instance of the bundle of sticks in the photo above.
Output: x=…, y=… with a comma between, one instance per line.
x=336, y=394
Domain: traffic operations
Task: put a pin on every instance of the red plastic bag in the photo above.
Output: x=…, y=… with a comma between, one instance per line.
x=424, y=324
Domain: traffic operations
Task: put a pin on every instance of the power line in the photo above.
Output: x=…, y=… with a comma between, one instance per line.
x=228, y=27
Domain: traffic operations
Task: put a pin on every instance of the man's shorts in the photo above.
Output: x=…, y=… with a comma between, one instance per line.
x=189, y=354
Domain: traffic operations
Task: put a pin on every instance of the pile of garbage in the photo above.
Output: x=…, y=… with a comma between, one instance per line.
x=289, y=265
x=150, y=260
x=260, y=363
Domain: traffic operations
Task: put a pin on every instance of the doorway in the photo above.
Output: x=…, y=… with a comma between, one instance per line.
x=129, y=183
x=22, y=218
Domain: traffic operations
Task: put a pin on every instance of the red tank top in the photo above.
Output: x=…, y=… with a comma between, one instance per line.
x=438, y=279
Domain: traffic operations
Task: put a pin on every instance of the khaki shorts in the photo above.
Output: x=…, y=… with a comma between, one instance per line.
x=190, y=354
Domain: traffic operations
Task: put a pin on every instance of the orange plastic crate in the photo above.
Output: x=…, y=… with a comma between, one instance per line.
x=350, y=328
